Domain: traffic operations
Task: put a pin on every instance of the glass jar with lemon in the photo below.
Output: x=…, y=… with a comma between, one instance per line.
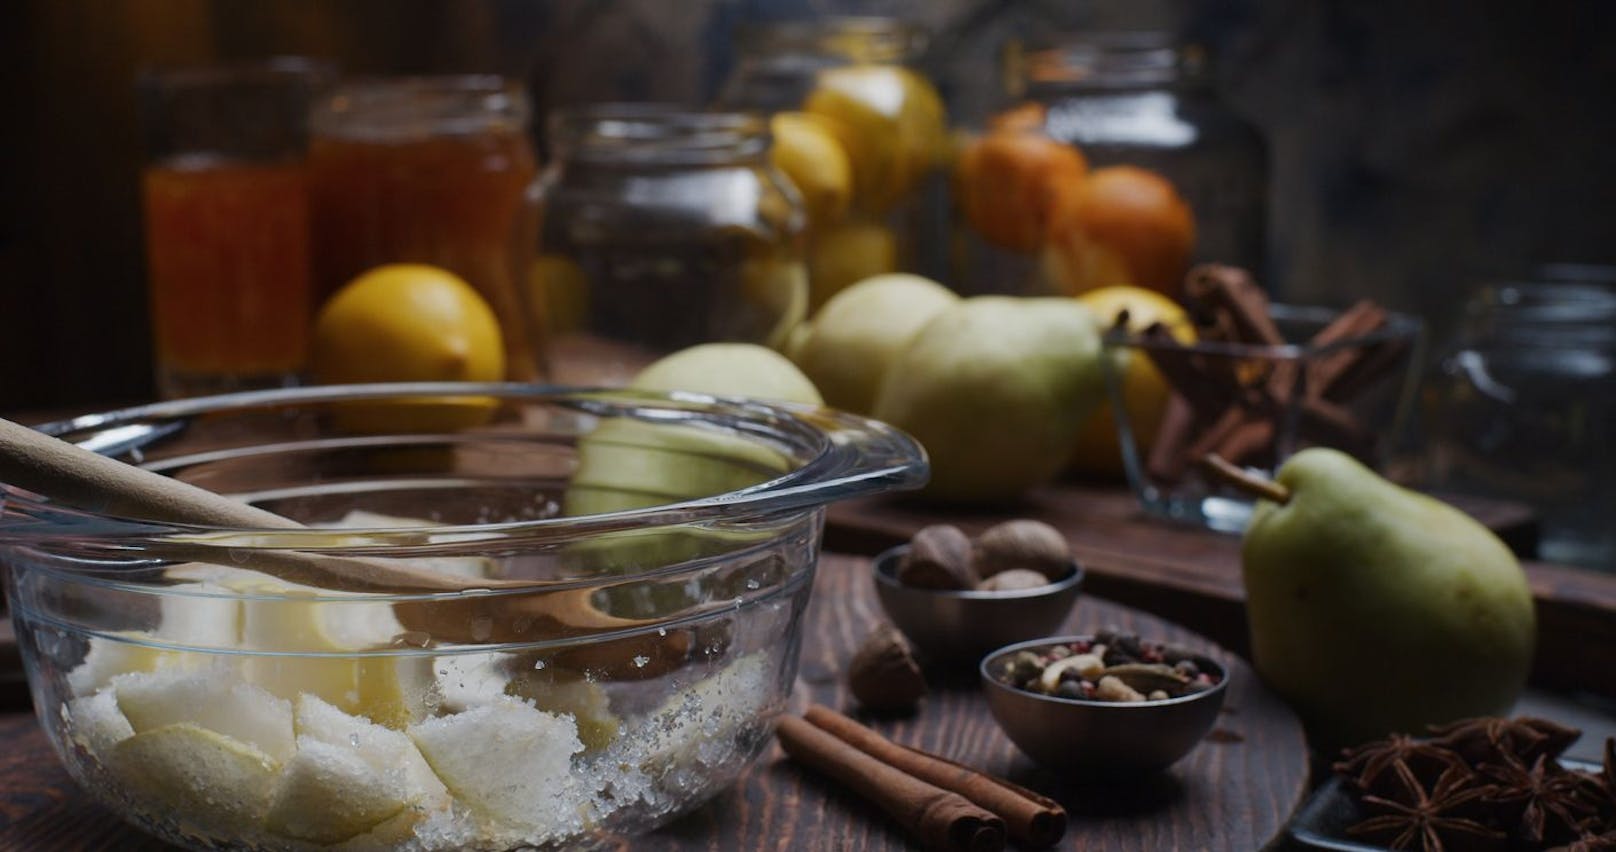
x=661, y=228
x=861, y=134
x=1114, y=164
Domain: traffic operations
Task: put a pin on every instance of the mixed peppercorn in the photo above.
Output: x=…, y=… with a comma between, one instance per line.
x=1111, y=666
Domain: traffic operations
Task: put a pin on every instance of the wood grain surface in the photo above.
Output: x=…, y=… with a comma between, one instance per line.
x=1233, y=792
x=1192, y=576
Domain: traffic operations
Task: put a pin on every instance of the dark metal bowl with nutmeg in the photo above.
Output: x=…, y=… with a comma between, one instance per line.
x=957, y=599
x=1103, y=705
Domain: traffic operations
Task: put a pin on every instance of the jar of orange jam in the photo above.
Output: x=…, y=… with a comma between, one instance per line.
x=432, y=170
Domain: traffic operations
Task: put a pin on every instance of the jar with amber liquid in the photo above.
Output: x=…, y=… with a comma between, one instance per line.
x=1113, y=161
x=861, y=133
x=662, y=228
x=433, y=170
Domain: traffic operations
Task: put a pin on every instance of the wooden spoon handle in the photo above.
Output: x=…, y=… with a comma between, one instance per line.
x=77, y=477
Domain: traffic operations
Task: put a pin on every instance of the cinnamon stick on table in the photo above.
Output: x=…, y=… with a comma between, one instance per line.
x=939, y=818
x=1031, y=819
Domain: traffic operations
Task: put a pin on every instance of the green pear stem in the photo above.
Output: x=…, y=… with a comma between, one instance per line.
x=1257, y=486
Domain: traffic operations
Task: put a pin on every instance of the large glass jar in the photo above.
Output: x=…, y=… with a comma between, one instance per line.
x=860, y=132
x=433, y=170
x=1522, y=405
x=662, y=228
x=1168, y=174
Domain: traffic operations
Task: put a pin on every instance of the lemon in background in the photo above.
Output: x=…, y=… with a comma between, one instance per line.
x=1144, y=391
x=807, y=150
x=408, y=323
x=890, y=121
x=843, y=255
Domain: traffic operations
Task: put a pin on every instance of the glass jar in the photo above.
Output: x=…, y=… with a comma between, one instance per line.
x=433, y=170
x=662, y=228
x=1522, y=405
x=1173, y=174
x=869, y=130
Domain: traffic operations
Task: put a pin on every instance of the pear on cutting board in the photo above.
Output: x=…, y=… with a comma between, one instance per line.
x=1375, y=609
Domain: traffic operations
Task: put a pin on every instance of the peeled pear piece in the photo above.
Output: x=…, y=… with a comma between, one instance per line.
x=569, y=693
x=197, y=777
x=191, y=615
x=508, y=762
x=245, y=712
x=1375, y=609
x=328, y=794
x=96, y=723
x=385, y=749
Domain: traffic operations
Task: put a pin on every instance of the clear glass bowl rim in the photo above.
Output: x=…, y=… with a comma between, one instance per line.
x=1399, y=326
x=851, y=456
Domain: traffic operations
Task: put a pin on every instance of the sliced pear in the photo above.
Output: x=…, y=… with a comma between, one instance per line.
x=154, y=700
x=709, y=713
x=569, y=693
x=507, y=761
x=470, y=680
x=197, y=776
x=383, y=748
x=107, y=658
x=96, y=723
x=328, y=793
x=192, y=615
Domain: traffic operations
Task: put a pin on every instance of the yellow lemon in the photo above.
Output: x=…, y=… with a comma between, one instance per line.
x=890, y=120
x=807, y=150
x=843, y=255
x=1144, y=391
x=408, y=323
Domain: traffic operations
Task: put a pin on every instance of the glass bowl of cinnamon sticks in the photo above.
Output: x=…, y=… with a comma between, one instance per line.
x=1253, y=383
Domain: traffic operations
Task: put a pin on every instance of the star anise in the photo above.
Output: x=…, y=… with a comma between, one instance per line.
x=1441, y=819
x=1546, y=803
x=1590, y=843
x=1492, y=739
x=1368, y=766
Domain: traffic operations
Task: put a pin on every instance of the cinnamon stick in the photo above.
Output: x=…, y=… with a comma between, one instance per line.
x=1031, y=819
x=1231, y=290
x=939, y=819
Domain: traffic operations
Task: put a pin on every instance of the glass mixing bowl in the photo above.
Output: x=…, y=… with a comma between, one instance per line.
x=630, y=574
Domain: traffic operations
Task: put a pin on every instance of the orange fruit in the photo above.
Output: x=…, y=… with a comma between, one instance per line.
x=1011, y=184
x=1144, y=392
x=1026, y=116
x=1127, y=221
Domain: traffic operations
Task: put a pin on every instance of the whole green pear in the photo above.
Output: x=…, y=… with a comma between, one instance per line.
x=995, y=387
x=1374, y=609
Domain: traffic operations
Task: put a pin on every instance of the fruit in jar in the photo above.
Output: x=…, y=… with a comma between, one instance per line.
x=1011, y=183
x=559, y=290
x=891, y=123
x=1123, y=225
x=408, y=322
x=1144, y=392
x=807, y=150
x=859, y=333
x=994, y=387
x=846, y=254
x=1375, y=609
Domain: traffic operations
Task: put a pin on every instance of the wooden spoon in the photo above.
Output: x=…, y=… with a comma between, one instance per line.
x=77, y=477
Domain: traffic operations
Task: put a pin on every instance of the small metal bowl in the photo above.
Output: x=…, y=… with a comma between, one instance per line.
x=1095, y=738
x=960, y=627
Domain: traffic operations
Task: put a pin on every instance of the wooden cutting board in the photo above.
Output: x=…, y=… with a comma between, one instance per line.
x=1233, y=792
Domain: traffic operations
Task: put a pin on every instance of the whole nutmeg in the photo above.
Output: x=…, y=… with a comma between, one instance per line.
x=1013, y=580
x=884, y=676
x=1026, y=544
x=939, y=557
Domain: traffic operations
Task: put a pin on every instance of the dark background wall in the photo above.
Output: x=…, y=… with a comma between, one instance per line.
x=1418, y=148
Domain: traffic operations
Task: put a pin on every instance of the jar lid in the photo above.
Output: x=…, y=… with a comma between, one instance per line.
x=657, y=134
x=391, y=108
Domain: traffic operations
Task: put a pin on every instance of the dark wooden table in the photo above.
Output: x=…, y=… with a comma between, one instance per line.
x=1192, y=576
x=1234, y=792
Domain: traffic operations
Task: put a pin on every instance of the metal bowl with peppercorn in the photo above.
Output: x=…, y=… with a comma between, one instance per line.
x=957, y=599
x=1103, y=704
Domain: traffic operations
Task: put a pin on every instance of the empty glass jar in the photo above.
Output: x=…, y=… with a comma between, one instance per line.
x=1522, y=405
x=661, y=228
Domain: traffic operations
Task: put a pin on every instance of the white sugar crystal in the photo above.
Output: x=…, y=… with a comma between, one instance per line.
x=151, y=700
x=508, y=762
x=328, y=793
x=96, y=723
